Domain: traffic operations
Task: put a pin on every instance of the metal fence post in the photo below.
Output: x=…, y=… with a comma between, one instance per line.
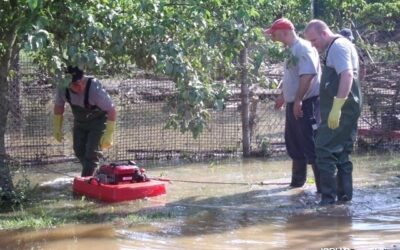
x=245, y=102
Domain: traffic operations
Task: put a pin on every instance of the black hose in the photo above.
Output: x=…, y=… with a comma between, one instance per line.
x=222, y=183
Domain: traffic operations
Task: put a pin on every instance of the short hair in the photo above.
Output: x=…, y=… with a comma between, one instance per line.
x=317, y=25
x=75, y=72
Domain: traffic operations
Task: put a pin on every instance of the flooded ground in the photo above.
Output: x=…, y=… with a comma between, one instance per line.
x=224, y=206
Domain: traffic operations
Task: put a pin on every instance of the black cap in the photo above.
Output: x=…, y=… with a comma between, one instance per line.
x=76, y=73
x=347, y=33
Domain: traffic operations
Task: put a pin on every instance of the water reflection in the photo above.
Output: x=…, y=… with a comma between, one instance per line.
x=68, y=237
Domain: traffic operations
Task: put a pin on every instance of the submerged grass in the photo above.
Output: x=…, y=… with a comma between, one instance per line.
x=59, y=212
x=51, y=217
x=28, y=221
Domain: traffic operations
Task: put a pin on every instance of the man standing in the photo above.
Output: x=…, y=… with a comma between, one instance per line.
x=94, y=118
x=300, y=88
x=340, y=99
x=347, y=33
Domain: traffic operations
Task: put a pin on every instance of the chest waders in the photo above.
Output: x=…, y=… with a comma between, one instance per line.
x=334, y=146
x=89, y=125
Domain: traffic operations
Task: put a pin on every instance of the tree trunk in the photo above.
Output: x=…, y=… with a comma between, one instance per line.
x=317, y=8
x=6, y=183
x=245, y=102
x=5, y=176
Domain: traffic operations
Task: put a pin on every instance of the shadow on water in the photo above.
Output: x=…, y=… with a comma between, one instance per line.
x=217, y=216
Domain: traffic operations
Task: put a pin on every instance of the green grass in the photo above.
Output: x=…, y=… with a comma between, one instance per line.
x=27, y=222
x=30, y=220
x=56, y=212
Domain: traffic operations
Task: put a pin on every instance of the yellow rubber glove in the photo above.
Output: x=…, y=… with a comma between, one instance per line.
x=57, y=127
x=336, y=111
x=106, y=140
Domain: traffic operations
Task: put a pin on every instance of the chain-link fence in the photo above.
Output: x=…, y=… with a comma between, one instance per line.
x=379, y=126
x=140, y=131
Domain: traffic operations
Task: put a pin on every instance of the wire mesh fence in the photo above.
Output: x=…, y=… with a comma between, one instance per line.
x=141, y=135
x=379, y=126
x=142, y=117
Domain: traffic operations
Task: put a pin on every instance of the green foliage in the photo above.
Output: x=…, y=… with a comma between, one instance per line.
x=189, y=107
x=388, y=52
x=265, y=146
x=381, y=15
x=338, y=13
x=85, y=34
x=23, y=192
x=379, y=26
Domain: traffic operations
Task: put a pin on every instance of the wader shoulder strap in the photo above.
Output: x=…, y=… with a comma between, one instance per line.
x=329, y=47
x=67, y=96
x=87, y=89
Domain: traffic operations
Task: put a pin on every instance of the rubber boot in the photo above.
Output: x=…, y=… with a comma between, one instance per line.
x=88, y=171
x=345, y=182
x=299, y=173
x=316, y=177
x=88, y=167
x=328, y=187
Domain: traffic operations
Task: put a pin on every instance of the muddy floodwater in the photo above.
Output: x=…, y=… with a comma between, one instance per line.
x=224, y=206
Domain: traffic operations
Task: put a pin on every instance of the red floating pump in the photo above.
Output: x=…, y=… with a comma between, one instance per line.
x=118, y=174
x=114, y=183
